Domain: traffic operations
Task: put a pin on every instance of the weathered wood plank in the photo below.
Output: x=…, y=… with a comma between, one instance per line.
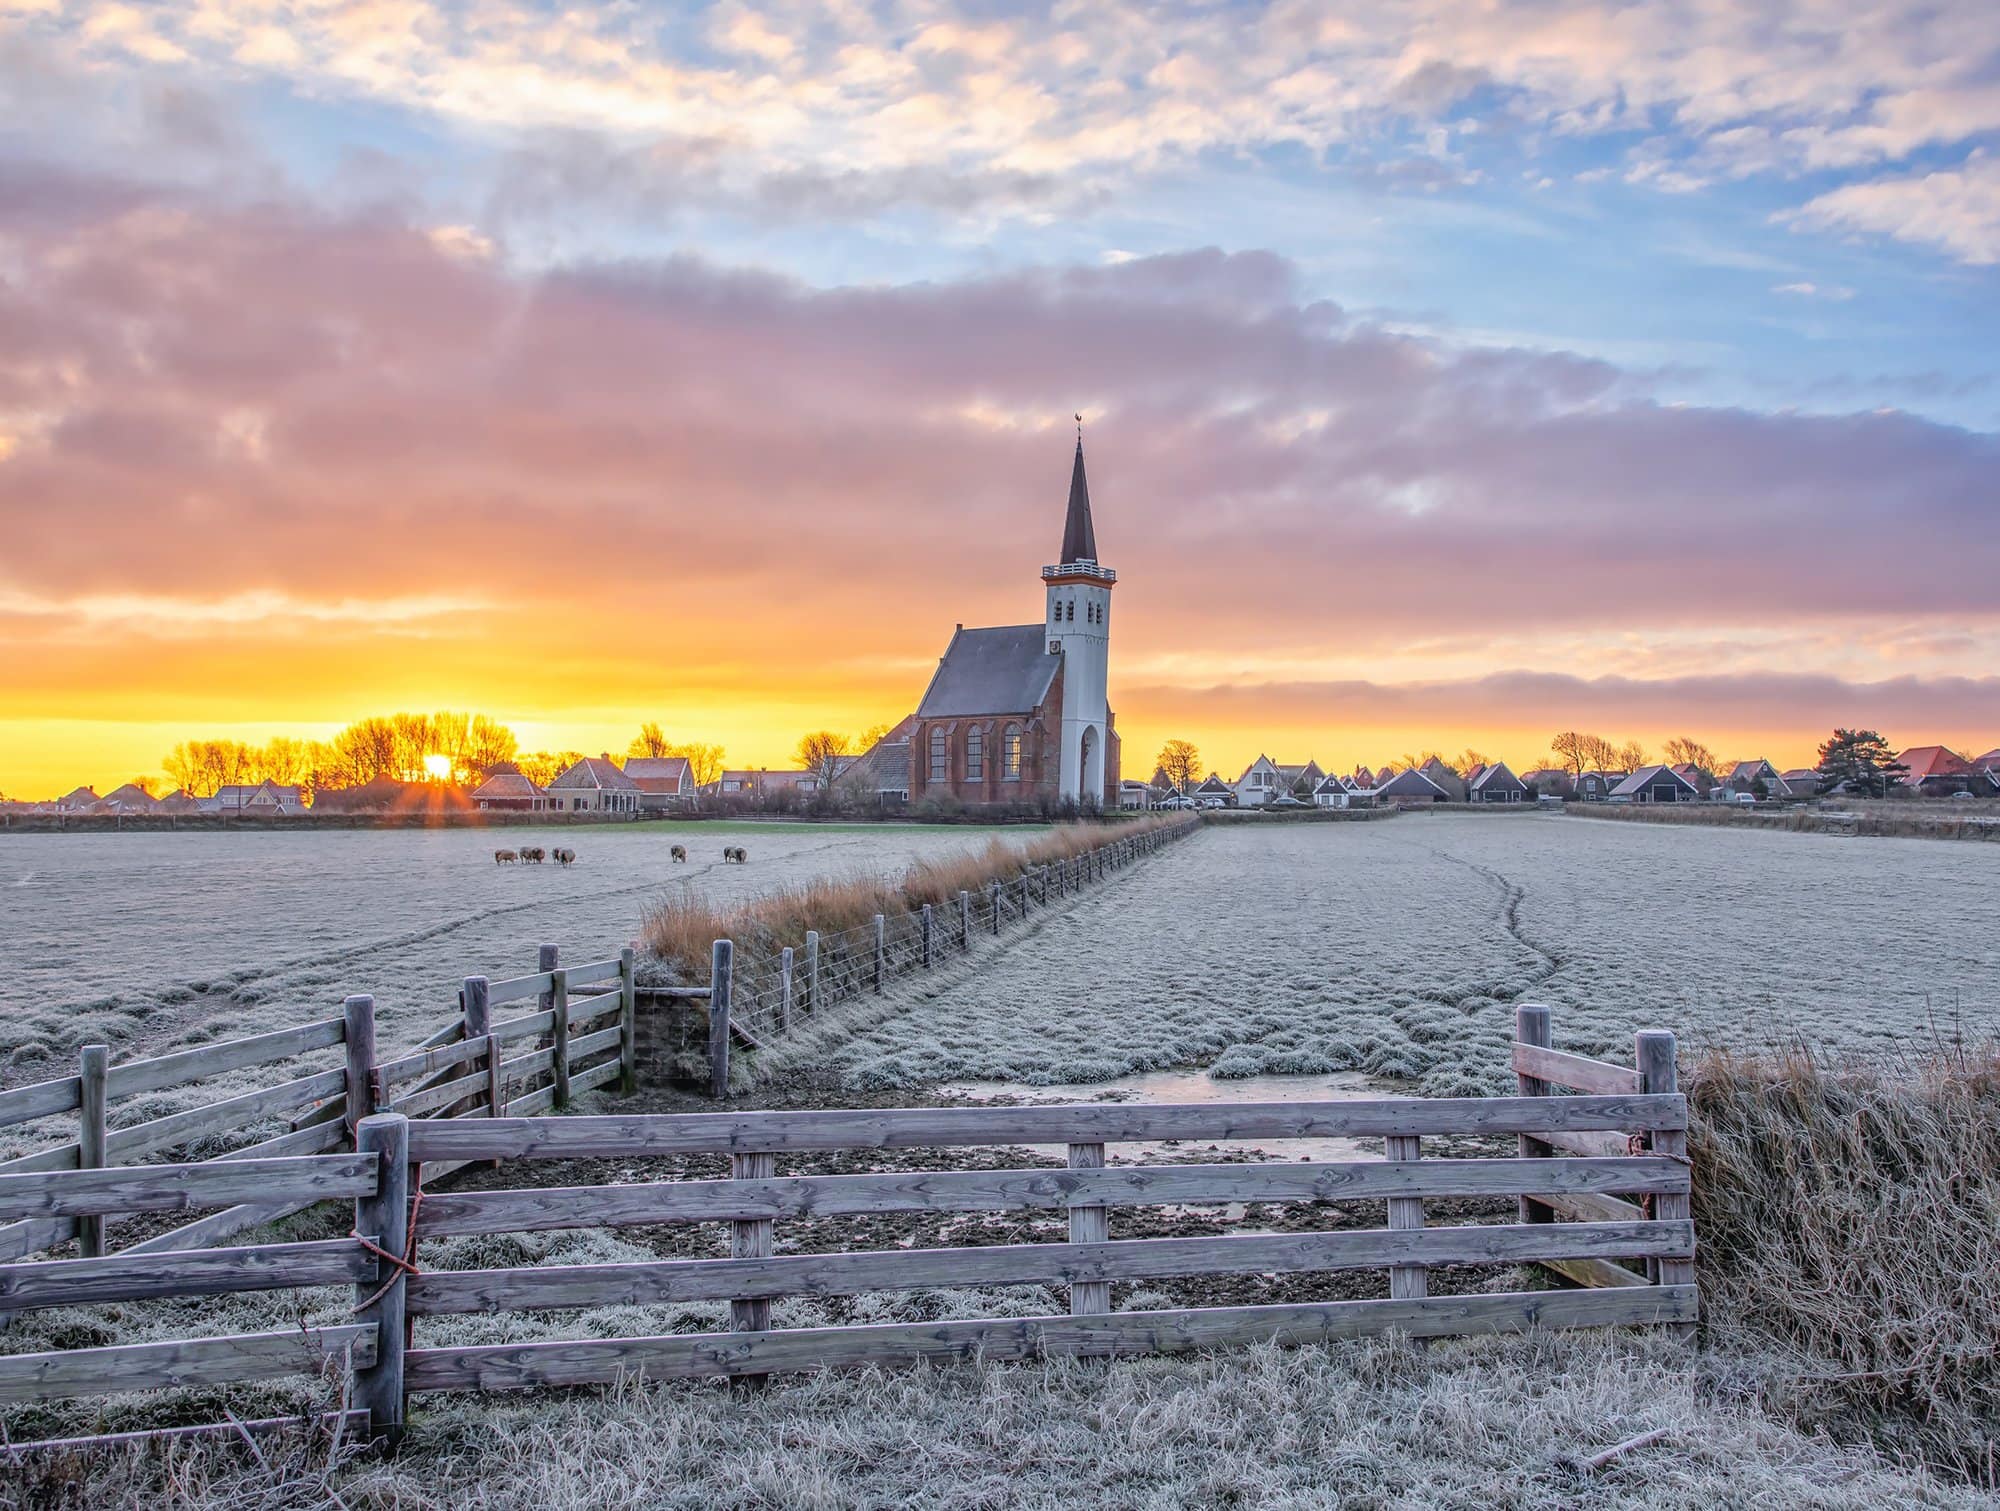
x=596, y=971
x=1579, y=1073
x=21, y=1238
x=203, y=1061
x=201, y=1272
x=593, y=1043
x=92, y=1139
x=1588, y=1145
x=424, y=1062
x=42, y=1099
x=209, y=1230
x=342, y=1422
x=431, y=1098
x=1023, y=1190
x=178, y=1188
x=1596, y=1273
x=1083, y=1122
x=317, y=1138
x=516, y=988
x=1406, y=1213
x=61, y=1157
x=447, y=1293
x=220, y=1117
x=1088, y=1225
x=201, y=1361
x=528, y=1026
x=1587, y=1206
x=602, y=1361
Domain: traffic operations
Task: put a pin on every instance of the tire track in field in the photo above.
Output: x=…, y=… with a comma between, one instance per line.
x=1508, y=915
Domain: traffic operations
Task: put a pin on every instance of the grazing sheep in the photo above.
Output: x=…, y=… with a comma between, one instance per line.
x=679, y=852
x=535, y=856
x=504, y=857
x=565, y=857
x=735, y=853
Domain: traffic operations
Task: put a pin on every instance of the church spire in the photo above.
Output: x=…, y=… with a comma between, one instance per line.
x=1079, y=539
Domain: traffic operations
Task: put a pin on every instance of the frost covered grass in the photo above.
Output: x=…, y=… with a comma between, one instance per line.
x=1383, y=1425
x=151, y=942
x=681, y=927
x=1400, y=949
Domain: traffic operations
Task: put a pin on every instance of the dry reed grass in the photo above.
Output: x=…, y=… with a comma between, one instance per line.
x=1850, y=1231
x=680, y=930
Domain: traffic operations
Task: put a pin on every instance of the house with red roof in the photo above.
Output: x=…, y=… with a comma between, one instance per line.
x=1935, y=771
x=510, y=792
x=663, y=781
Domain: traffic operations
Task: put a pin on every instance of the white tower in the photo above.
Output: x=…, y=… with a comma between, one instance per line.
x=1079, y=626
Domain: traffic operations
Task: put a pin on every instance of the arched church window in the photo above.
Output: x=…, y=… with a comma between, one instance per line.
x=939, y=758
x=1010, y=753
x=975, y=754
x=1071, y=612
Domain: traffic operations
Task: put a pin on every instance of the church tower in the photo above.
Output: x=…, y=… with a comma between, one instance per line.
x=1079, y=627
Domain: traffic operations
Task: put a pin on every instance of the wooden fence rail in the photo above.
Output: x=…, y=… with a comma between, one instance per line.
x=1626, y=1199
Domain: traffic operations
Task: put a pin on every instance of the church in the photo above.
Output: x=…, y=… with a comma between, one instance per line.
x=1020, y=713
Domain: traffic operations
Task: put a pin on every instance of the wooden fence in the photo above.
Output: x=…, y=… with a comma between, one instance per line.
x=473, y=1066
x=1581, y=1160
x=753, y=1000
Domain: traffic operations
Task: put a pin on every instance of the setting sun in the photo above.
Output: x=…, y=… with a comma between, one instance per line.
x=438, y=767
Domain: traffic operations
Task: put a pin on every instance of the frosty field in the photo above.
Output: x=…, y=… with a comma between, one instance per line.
x=143, y=941
x=1399, y=948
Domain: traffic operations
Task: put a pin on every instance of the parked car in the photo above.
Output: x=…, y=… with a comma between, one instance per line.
x=1286, y=800
x=1213, y=802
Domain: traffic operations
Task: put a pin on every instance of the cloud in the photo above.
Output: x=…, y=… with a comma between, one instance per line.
x=1838, y=293
x=1956, y=210
x=819, y=109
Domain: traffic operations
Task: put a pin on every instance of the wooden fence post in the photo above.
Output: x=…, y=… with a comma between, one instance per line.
x=812, y=970
x=477, y=1012
x=1531, y=1026
x=928, y=922
x=1407, y=1282
x=1088, y=1225
x=93, y=1061
x=881, y=951
x=559, y=1033
x=628, y=1021
x=496, y=1083
x=964, y=921
x=751, y=1238
x=721, y=967
x=993, y=905
x=1654, y=1053
x=384, y=1219
x=358, y=1031
x=785, y=989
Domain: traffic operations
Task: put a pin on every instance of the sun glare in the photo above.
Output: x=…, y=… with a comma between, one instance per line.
x=439, y=767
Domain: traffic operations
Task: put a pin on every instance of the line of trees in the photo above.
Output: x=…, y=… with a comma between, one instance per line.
x=396, y=746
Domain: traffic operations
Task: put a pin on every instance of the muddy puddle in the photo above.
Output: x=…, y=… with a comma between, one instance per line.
x=1199, y=1086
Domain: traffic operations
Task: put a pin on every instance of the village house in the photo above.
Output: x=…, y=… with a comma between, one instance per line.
x=1214, y=790
x=1341, y=792
x=1494, y=783
x=129, y=799
x=594, y=785
x=1759, y=779
x=1698, y=777
x=1414, y=785
x=747, y=784
x=265, y=799
x=1020, y=713
x=1446, y=777
x=1597, y=786
x=510, y=792
x=1655, y=784
x=78, y=800
x=1135, y=794
x=1935, y=771
x=664, y=782
x=1549, y=781
x=1800, y=781
x=882, y=772
x=1259, y=784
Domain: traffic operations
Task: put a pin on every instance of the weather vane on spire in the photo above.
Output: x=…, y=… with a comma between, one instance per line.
x=1079, y=429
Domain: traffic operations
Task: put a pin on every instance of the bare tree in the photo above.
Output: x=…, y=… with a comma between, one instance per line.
x=704, y=762
x=1684, y=750
x=1181, y=763
x=650, y=742
x=821, y=753
x=1631, y=755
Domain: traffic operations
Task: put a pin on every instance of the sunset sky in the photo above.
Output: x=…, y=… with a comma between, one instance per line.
x=1453, y=371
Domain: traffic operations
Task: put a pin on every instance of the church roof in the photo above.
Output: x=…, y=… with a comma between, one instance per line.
x=1002, y=670
x=1079, y=539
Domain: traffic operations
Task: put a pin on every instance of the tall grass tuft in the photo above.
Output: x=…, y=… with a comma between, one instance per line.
x=1849, y=1219
x=681, y=929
